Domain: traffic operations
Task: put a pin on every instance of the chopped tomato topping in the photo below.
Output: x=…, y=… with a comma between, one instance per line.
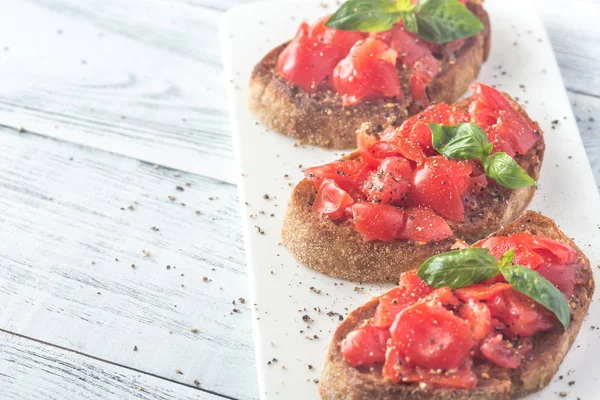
x=410, y=289
x=431, y=336
x=409, y=47
x=479, y=316
x=503, y=352
x=390, y=182
x=507, y=128
x=423, y=225
x=377, y=221
x=416, y=130
x=313, y=53
x=560, y=275
x=522, y=315
x=365, y=346
x=396, y=369
x=331, y=201
x=481, y=292
x=369, y=71
x=530, y=250
x=439, y=184
x=347, y=174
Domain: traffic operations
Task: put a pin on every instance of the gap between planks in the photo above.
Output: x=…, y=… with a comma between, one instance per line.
x=118, y=365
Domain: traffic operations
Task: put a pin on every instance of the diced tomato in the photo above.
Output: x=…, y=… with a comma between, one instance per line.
x=443, y=296
x=407, y=147
x=522, y=315
x=530, y=250
x=507, y=128
x=341, y=40
x=423, y=225
x=390, y=182
x=331, y=201
x=368, y=72
x=480, y=292
x=313, y=53
x=560, y=275
x=436, y=185
x=365, y=346
x=410, y=289
x=409, y=47
x=501, y=352
x=524, y=254
x=377, y=221
x=347, y=174
x=416, y=129
x=430, y=336
x=396, y=369
x=479, y=316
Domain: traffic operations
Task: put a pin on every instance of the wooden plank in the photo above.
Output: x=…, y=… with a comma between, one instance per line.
x=134, y=77
x=82, y=267
x=575, y=36
x=587, y=112
x=30, y=370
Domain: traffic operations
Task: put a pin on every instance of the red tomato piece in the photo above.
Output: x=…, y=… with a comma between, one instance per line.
x=561, y=251
x=522, y=315
x=416, y=130
x=347, y=174
x=410, y=289
x=507, y=128
x=432, y=337
x=390, y=182
x=397, y=370
x=501, y=352
x=423, y=225
x=331, y=201
x=365, y=346
x=479, y=317
x=368, y=72
x=377, y=221
x=340, y=40
x=313, y=53
x=439, y=184
x=524, y=254
x=409, y=47
x=561, y=276
x=481, y=292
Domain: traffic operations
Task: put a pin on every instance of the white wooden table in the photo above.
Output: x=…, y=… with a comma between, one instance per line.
x=121, y=258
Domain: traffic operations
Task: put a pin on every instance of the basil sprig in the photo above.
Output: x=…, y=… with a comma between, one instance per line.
x=437, y=21
x=469, y=142
x=460, y=268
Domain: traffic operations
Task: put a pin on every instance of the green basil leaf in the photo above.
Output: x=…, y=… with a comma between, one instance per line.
x=410, y=23
x=459, y=268
x=538, y=288
x=507, y=259
x=502, y=168
x=443, y=21
x=465, y=141
x=368, y=15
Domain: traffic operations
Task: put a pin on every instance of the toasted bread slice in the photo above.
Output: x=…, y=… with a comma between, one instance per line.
x=340, y=380
x=320, y=119
x=339, y=251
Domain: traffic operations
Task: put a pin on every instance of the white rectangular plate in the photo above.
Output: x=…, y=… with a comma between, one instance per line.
x=521, y=63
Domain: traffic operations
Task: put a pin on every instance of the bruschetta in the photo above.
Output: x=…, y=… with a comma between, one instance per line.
x=324, y=83
x=407, y=193
x=443, y=335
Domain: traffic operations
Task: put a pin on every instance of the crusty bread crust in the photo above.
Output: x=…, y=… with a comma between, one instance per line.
x=339, y=251
x=339, y=380
x=320, y=119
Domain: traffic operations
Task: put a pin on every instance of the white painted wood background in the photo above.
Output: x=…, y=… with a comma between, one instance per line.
x=106, y=107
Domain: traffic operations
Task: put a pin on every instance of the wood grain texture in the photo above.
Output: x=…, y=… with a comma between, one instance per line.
x=575, y=36
x=134, y=77
x=32, y=370
x=82, y=267
x=587, y=113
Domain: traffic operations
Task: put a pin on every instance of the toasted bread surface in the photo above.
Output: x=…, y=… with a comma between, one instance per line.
x=320, y=119
x=339, y=251
x=340, y=380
